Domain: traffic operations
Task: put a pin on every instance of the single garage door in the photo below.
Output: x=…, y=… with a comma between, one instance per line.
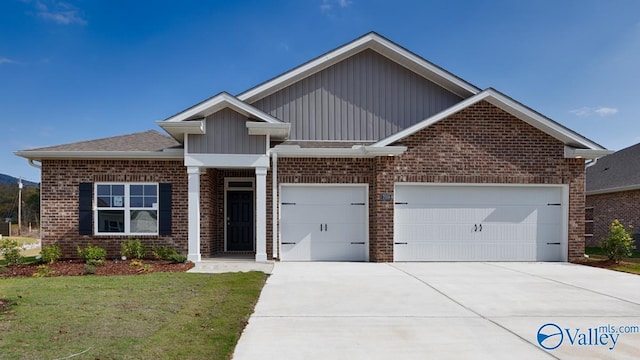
x=323, y=222
x=478, y=223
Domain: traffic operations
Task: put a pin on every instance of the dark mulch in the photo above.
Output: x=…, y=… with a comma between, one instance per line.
x=77, y=267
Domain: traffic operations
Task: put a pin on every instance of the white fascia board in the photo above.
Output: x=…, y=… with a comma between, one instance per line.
x=571, y=152
x=280, y=130
x=357, y=151
x=219, y=102
x=521, y=112
x=369, y=41
x=174, y=154
x=613, y=190
x=178, y=129
x=227, y=160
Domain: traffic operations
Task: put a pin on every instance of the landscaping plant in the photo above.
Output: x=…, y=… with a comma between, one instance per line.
x=618, y=244
x=51, y=253
x=10, y=250
x=133, y=249
x=93, y=255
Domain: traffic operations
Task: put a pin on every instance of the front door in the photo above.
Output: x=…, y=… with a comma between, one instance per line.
x=240, y=220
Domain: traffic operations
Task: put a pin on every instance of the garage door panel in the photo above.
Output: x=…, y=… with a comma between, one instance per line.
x=477, y=223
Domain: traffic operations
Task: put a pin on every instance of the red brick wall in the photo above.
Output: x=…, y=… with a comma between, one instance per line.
x=60, y=180
x=624, y=206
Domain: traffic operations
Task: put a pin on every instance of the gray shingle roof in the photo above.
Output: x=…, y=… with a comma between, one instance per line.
x=143, y=141
x=618, y=170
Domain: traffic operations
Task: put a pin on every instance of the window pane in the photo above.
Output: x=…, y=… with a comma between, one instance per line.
x=144, y=221
x=111, y=221
x=150, y=190
x=136, y=190
x=117, y=201
x=149, y=201
x=117, y=189
x=104, y=201
x=136, y=201
x=104, y=189
x=247, y=184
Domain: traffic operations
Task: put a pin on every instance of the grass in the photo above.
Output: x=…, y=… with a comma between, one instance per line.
x=154, y=316
x=629, y=265
x=599, y=251
x=23, y=241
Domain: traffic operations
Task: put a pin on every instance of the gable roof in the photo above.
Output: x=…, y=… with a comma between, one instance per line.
x=619, y=171
x=143, y=144
x=376, y=43
x=526, y=114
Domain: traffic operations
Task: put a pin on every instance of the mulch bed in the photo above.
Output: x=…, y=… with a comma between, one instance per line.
x=77, y=267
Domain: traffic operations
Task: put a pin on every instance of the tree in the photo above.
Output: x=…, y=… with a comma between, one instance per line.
x=618, y=244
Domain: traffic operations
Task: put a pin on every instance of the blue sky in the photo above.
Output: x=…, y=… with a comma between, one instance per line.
x=77, y=70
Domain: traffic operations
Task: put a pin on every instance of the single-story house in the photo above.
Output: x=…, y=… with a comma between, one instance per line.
x=366, y=153
x=613, y=192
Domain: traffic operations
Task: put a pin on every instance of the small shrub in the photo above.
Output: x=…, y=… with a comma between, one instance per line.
x=89, y=269
x=133, y=249
x=93, y=255
x=146, y=267
x=51, y=254
x=618, y=244
x=163, y=252
x=43, y=271
x=178, y=258
x=11, y=251
x=136, y=263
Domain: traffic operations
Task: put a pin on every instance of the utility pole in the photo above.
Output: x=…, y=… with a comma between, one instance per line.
x=20, y=206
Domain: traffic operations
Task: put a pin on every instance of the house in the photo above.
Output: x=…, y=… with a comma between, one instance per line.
x=613, y=192
x=366, y=153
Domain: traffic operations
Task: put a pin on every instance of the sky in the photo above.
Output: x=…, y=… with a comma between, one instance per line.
x=78, y=70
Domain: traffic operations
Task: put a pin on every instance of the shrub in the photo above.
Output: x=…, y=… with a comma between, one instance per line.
x=51, y=253
x=618, y=244
x=11, y=251
x=133, y=249
x=178, y=258
x=43, y=271
x=163, y=252
x=93, y=255
x=89, y=269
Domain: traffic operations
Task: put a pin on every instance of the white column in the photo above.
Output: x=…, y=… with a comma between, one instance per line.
x=194, y=213
x=274, y=203
x=261, y=214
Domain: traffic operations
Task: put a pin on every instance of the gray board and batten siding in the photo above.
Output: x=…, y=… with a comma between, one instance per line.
x=227, y=134
x=366, y=97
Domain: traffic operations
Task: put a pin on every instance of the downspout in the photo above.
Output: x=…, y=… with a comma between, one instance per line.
x=591, y=163
x=34, y=164
x=274, y=204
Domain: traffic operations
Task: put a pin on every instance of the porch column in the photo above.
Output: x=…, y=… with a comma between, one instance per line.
x=194, y=214
x=261, y=214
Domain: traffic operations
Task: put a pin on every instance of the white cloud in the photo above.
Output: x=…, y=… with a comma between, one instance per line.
x=59, y=12
x=327, y=5
x=5, y=60
x=601, y=111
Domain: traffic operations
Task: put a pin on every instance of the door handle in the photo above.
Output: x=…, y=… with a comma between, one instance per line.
x=320, y=227
x=288, y=243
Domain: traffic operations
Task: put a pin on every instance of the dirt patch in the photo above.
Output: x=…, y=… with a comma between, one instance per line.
x=77, y=267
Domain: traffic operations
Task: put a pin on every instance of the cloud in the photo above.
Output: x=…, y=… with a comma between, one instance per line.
x=5, y=60
x=602, y=111
x=327, y=5
x=59, y=12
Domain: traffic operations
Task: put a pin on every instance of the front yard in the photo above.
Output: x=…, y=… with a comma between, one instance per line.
x=152, y=316
x=598, y=258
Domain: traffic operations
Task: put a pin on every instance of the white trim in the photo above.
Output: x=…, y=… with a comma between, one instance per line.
x=274, y=205
x=369, y=41
x=227, y=160
x=355, y=151
x=366, y=199
x=571, y=152
x=126, y=209
x=194, y=213
x=565, y=202
x=613, y=190
x=179, y=129
x=169, y=154
x=280, y=131
x=523, y=113
x=227, y=188
x=217, y=103
x=261, y=214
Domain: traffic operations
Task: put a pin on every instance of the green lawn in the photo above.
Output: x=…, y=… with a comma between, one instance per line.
x=154, y=316
x=630, y=264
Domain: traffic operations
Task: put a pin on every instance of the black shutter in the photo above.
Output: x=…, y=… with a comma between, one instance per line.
x=84, y=209
x=164, y=209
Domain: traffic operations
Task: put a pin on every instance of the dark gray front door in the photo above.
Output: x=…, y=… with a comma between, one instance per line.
x=240, y=220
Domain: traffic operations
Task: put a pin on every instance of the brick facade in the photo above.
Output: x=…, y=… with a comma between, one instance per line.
x=59, y=210
x=624, y=206
x=480, y=144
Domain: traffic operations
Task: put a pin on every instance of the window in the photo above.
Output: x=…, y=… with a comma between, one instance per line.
x=129, y=209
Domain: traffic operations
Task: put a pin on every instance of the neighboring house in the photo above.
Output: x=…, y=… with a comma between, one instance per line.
x=613, y=192
x=366, y=153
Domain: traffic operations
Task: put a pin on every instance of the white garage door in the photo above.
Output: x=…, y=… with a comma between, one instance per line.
x=324, y=222
x=478, y=223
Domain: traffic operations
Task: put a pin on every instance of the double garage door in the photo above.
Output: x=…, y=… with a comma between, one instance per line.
x=431, y=223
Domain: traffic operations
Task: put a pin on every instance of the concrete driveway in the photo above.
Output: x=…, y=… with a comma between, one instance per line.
x=444, y=310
